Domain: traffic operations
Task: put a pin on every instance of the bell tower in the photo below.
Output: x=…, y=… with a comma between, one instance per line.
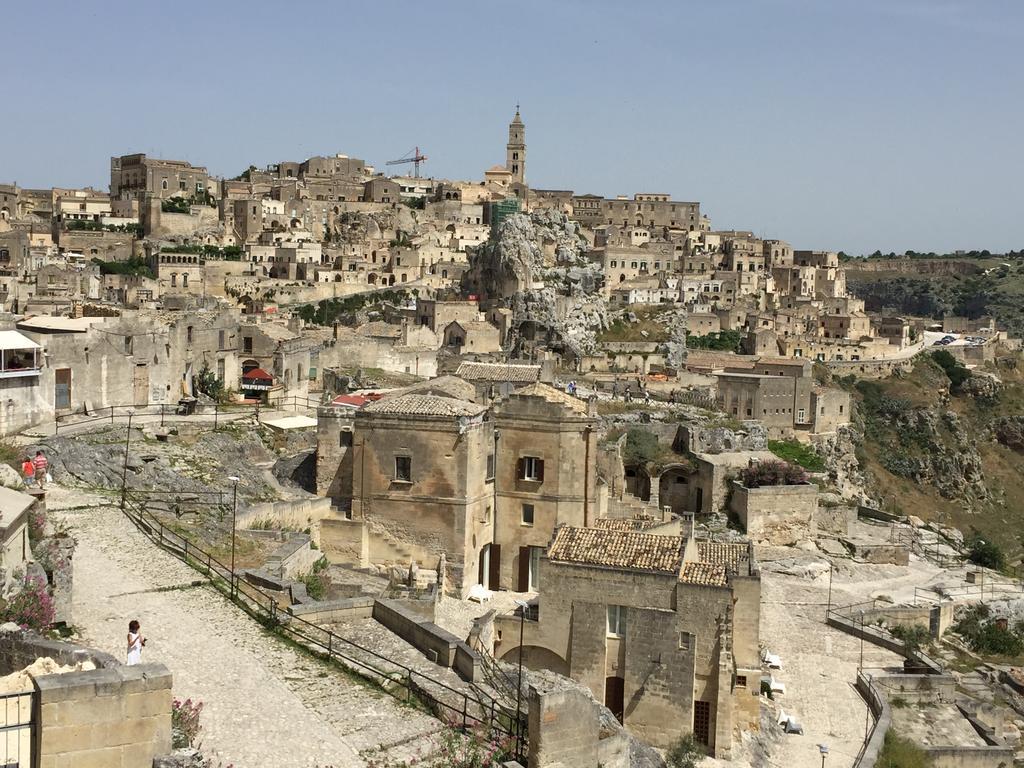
x=515, y=151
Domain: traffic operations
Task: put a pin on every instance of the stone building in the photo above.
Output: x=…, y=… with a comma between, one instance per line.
x=515, y=150
x=498, y=379
x=545, y=476
x=137, y=176
x=420, y=481
x=663, y=629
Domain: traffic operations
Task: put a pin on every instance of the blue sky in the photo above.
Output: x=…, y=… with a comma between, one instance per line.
x=888, y=124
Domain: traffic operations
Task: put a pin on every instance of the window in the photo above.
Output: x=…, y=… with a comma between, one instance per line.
x=490, y=467
x=247, y=344
x=801, y=415
x=741, y=681
x=527, y=514
x=188, y=334
x=684, y=641
x=127, y=345
x=220, y=369
x=181, y=185
x=184, y=280
x=403, y=469
x=163, y=184
x=840, y=409
x=220, y=339
x=531, y=468
x=616, y=621
x=345, y=439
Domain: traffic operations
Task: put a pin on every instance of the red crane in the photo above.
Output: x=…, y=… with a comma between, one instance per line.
x=413, y=157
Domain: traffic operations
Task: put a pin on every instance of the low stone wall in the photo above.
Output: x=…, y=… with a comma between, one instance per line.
x=345, y=542
x=835, y=519
x=330, y=611
x=935, y=618
x=297, y=513
x=969, y=757
x=114, y=716
x=777, y=514
x=295, y=556
x=439, y=645
x=879, y=554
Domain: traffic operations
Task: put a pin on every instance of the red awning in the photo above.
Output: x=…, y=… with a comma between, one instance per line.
x=257, y=374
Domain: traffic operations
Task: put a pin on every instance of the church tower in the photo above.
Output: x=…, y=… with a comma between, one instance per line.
x=515, y=151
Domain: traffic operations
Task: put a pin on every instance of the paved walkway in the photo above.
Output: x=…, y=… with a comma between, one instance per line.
x=265, y=704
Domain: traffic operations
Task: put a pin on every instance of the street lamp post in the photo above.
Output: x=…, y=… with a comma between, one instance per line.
x=124, y=469
x=234, y=513
x=831, y=567
x=823, y=749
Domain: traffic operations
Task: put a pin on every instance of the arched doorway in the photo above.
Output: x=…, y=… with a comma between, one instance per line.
x=675, y=489
x=537, y=657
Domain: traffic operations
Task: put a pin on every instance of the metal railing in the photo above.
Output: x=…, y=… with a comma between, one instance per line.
x=178, y=413
x=457, y=708
x=17, y=728
x=988, y=588
x=929, y=551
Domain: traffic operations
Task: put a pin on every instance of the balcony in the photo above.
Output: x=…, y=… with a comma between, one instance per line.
x=20, y=357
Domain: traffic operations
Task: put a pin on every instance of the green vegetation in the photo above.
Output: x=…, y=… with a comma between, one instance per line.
x=956, y=372
x=73, y=225
x=10, y=454
x=798, y=453
x=687, y=752
x=898, y=752
x=228, y=252
x=416, y=203
x=988, y=636
x=765, y=473
x=647, y=322
x=913, y=637
x=316, y=579
x=209, y=384
x=987, y=554
x=175, y=205
x=642, y=449
x=136, y=265
x=327, y=311
x=725, y=341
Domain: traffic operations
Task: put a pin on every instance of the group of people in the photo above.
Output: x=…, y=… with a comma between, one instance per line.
x=36, y=470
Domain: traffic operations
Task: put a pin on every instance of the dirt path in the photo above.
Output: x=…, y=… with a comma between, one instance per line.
x=265, y=703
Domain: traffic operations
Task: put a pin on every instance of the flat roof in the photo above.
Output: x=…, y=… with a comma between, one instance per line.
x=55, y=324
x=12, y=504
x=290, y=422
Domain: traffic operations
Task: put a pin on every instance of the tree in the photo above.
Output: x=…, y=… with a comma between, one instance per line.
x=986, y=554
x=687, y=752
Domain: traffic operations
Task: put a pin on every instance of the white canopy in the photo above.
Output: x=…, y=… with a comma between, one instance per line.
x=15, y=340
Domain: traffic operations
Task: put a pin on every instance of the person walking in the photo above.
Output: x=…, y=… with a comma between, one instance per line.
x=41, y=466
x=135, y=643
x=28, y=471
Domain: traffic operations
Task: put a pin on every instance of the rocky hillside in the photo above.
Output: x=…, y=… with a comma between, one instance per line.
x=974, y=287
x=933, y=446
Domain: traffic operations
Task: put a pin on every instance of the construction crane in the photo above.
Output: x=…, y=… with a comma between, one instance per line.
x=413, y=157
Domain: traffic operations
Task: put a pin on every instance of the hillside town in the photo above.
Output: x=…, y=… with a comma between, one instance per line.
x=579, y=480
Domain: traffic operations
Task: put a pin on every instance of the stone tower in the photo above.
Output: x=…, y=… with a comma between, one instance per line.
x=515, y=151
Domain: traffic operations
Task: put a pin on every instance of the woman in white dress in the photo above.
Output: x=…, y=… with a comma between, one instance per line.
x=135, y=643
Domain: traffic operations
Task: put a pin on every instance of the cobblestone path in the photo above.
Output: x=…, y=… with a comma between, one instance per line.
x=265, y=703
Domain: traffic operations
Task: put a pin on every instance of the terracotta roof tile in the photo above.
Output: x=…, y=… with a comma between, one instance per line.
x=618, y=549
x=424, y=405
x=515, y=374
x=720, y=553
x=626, y=523
x=704, y=574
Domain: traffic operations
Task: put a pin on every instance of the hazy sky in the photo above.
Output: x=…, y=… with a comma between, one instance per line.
x=889, y=124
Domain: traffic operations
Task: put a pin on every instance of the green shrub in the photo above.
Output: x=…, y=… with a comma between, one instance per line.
x=687, y=752
x=898, y=752
x=727, y=341
x=952, y=367
x=986, y=554
x=133, y=266
x=913, y=637
x=764, y=473
x=985, y=636
x=316, y=579
x=796, y=452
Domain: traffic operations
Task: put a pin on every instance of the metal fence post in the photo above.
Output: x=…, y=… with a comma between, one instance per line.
x=161, y=414
x=216, y=414
x=111, y=414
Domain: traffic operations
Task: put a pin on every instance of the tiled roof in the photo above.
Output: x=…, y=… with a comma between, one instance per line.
x=441, y=386
x=552, y=395
x=720, y=553
x=424, y=405
x=515, y=374
x=704, y=574
x=617, y=549
x=626, y=523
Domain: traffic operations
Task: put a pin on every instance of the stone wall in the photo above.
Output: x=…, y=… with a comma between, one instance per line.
x=348, y=609
x=345, y=542
x=297, y=513
x=970, y=757
x=439, y=645
x=776, y=514
x=565, y=730
x=113, y=716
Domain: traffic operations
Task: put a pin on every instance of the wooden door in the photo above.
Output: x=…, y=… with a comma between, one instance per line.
x=140, y=385
x=62, y=389
x=494, y=577
x=523, y=584
x=702, y=722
